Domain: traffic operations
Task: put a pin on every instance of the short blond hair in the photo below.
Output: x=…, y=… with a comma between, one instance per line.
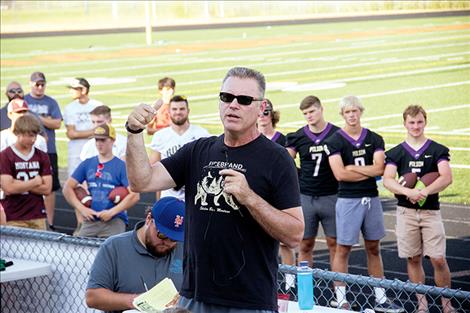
x=350, y=101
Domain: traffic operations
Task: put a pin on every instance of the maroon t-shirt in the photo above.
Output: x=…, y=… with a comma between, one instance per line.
x=25, y=206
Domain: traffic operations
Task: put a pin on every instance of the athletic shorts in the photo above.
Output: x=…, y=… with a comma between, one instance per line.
x=355, y=215
x=420, y=232
x=199, y=306
x=37, y=223
x=319, y=210
x=55, y=171
x=102, y=229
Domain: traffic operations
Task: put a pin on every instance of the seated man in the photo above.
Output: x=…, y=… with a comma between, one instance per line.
x=102, y=174
x=25, y=177
x=128, y=264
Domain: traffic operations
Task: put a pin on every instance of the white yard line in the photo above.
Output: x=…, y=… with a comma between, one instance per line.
x=283, y=73
x=263, y=54
x=175, y=42
x=263, y=57
x=461, y=166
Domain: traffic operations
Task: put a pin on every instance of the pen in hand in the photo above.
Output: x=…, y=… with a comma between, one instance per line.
x=143, y=282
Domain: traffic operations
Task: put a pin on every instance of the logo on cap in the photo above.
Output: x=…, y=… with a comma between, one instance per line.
x=104, y=131
x=100, y=131
x=178, y=220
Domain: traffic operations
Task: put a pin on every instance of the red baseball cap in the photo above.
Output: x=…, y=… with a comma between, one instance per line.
x=17, y=105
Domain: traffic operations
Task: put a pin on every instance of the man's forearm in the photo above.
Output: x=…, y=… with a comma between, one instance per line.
x=50, y=122
x=19, y=186
x=75, y=134
x=280, y=225
x=368, y=170
x=392, y=185
x=139, y=171
x=107, y=300
x=350, y=176
x=439, y=185
x=43, y=189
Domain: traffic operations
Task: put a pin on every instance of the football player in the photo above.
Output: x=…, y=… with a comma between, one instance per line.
x=419, y=230
x=356, y=156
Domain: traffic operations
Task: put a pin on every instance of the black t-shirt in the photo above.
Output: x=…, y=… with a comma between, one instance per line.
x=356, y=152
x=229, y=259
x=421, y=162
x=279, y=138
x=316, y=177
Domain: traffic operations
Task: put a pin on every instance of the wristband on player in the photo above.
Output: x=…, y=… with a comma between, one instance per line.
x=131, y=130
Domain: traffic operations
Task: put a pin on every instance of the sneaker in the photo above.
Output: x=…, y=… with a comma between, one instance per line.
x=290, y=281
x=388, y=307
x=334, y=304
x=345, y=306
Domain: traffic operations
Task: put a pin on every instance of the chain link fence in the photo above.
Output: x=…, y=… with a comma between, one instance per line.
x=63, y=290
x=71, y=258
x=360, y=291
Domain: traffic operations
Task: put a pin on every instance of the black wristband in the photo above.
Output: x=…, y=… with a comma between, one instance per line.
x=131, y=130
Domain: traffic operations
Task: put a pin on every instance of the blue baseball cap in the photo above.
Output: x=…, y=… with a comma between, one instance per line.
x=168, y=214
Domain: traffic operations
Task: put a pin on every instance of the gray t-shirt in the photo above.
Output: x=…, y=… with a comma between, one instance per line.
x=122, y=262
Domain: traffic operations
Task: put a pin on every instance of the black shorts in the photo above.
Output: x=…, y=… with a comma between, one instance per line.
x=55, y=171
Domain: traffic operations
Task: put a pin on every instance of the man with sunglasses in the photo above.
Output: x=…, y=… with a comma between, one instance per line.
x=267, y=124
x=102, y=173
x=13, y=91
x=168, y=140
x=130, y=263
x=48, y=111
x=242, y=199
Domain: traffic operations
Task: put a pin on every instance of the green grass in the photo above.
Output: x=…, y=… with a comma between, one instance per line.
x=389, y=63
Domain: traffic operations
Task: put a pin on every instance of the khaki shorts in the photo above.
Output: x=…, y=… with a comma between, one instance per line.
x=420, y=232
x=38, y=223
x=102, y=229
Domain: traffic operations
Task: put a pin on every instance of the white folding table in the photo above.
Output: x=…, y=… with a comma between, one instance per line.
x=23, y=269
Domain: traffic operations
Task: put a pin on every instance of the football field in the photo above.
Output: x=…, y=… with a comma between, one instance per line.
x=389, y=64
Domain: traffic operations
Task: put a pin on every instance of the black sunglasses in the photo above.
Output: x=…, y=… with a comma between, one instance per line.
x=243, y=100
x=40, y=84
x=15, y=90
x=266, y=112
